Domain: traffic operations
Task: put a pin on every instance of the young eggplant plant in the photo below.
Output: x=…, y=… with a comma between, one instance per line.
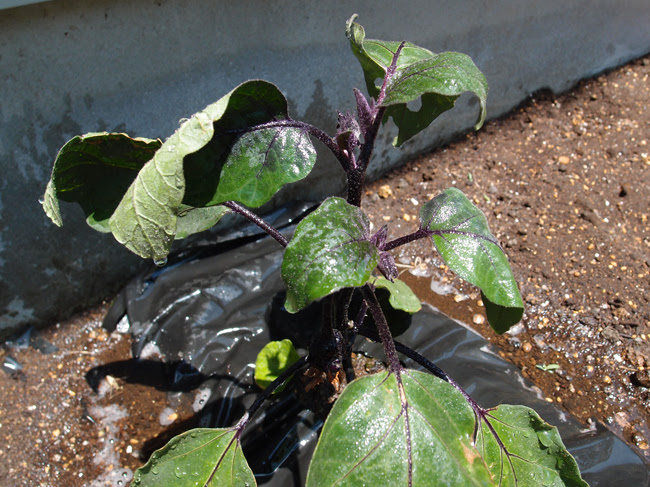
x=397, y=427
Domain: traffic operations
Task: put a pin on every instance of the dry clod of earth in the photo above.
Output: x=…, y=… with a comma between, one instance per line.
x=563, y=181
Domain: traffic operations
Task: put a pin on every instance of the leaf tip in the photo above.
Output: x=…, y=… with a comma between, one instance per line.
x=348, y=25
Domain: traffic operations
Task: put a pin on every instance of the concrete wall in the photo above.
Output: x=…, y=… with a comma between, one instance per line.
x=70, y=67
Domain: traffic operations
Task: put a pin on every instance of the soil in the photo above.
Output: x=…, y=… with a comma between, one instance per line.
x=563, y=181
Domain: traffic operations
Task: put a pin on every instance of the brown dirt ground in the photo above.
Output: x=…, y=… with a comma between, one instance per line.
x=563, y=181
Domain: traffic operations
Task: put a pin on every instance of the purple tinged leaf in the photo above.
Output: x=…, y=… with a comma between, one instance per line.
x=364, y=110
x=347, y=132
x=387, y=266
x=379, y=238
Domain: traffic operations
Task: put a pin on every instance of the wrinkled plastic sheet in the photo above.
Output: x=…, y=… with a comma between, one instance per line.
x=209, y=311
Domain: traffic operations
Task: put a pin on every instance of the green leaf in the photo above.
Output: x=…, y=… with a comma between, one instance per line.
x=534, y=453
x=438, y=79
x=401, y=296
x=411, y=123
x=417, y=430
x=254, y=152
x=383, y=432
x=194, y=220
x=145, y=219
x=95, y=170
x=330, y=250
x=460, y=232
x=207, y=457
x=273, y=359
x=240, y=148
x=376, y=56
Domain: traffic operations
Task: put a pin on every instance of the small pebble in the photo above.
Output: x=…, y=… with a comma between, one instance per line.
x=385, y=191
x=478, y=319
x=527, y=347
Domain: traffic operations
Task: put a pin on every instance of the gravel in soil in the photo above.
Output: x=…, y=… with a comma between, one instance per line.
x=563, y=181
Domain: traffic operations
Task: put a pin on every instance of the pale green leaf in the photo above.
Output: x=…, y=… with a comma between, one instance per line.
x=401, y=296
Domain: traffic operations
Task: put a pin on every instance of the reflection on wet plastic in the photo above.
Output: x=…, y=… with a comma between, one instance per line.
x=12, y=367
x=215, y=312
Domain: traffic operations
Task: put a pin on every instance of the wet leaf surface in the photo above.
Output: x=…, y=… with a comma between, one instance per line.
x=379, y=433
x=460, y=233
x=531, y=453
x=208, y=457
x=417, y=430
x=330, y=250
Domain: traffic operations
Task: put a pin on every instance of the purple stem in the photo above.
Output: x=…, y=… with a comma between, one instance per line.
x=357, y=174
x=411, y=237
x=383, y=330
x=481, y=413
x=249, y=215
x=266, y=393
x=390, y=71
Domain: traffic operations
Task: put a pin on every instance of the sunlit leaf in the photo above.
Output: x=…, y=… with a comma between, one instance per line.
x=253, y=153
x=437, y=79
x=461, y=235
x=273, y=359
x=206, y=457
x=330, y=250
x=145, y=219
x=383, y=432
x=418, y=430
x=531, y=450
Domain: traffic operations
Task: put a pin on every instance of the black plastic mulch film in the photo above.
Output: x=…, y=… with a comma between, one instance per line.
x=211, y=309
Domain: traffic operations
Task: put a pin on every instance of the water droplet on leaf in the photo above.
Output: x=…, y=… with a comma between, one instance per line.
x=160, y=262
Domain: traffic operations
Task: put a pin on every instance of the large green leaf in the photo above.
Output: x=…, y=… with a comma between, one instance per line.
x=413, y=432
x=460, y=232
x=253, y=153
x=145, y=219
x=206, y=457
x=330, y=250
x=438, y=79
x=418, y=430
x=95, y=171
x=226, y=152
x=531, y=450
